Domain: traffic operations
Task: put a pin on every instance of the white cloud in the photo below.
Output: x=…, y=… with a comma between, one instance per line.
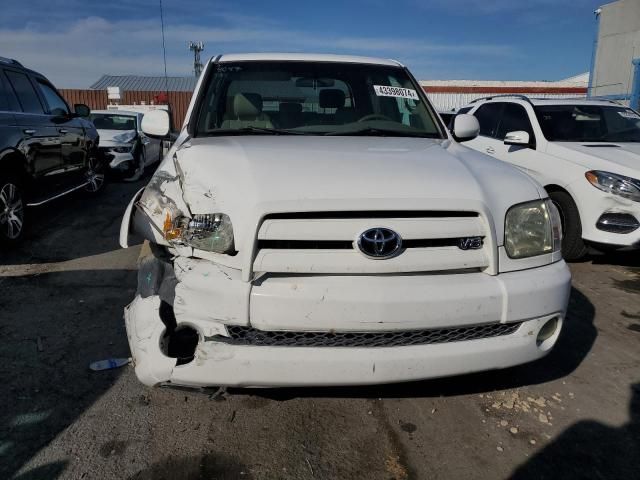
x=78, y=53
x=474, y=7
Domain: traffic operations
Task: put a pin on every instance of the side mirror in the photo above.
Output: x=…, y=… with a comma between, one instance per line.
x=519, y=137
x=156, y=123
x=465, y=127
x=81, y=110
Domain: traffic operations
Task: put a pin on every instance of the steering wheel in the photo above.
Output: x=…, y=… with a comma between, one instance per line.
x=374, y=116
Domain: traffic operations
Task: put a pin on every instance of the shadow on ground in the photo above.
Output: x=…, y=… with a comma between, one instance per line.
x=590, y=449
x=46, y=346
x=53, y=324
x=622, y=259
x=198, y=467
x=59, y=231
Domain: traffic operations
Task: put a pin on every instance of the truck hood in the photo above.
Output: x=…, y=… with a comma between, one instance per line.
x=622, y=158
x=247, y=177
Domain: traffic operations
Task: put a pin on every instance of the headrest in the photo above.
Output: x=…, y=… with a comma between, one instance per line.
x=331, y=98
x=247, y=105
x=102, y=123
x=290, y=108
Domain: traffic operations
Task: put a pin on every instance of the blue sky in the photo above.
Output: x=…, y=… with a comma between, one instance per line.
x=74, y=41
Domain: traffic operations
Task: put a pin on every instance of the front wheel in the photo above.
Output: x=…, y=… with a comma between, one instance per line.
x=573, y=246
x=95, y=177
x=12, y=210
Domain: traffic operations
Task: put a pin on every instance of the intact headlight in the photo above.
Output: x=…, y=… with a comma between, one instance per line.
x=532, y=228
x=626, y=187
x=211, y=232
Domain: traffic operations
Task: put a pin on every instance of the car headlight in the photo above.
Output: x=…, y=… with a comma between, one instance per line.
x=126, y=149
x=212, y=232
x=532, y=228
x=626, y=187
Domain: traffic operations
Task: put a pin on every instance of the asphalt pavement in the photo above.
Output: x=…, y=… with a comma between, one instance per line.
x=574, y=414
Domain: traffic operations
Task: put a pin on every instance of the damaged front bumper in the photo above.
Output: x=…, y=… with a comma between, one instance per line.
x=196, y=323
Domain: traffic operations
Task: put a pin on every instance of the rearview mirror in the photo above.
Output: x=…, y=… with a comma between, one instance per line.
x=315, y=82
x=81, y=110
x=519, y=137
x=156, y=123
x=465, y=127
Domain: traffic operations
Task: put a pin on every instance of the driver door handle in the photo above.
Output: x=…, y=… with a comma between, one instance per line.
x=29, y=131
x=490, y=150
x=63, y=130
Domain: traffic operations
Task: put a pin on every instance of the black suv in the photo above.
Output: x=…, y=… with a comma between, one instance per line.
x=46, y=150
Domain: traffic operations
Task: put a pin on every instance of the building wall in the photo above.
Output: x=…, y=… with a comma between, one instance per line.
x=450, y=97
x=97, y=100
x=617, y=44
x=444, y=102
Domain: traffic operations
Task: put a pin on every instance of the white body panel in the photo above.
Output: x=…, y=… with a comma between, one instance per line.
x=565, y=163
x=348, y=304
x=283, y=189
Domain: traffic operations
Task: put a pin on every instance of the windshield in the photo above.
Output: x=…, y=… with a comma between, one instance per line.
x=588, y=123
x=109, y=121
x=313, y=98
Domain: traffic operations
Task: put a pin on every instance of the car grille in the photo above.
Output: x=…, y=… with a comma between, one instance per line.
x=241, y=335
x=326, y=242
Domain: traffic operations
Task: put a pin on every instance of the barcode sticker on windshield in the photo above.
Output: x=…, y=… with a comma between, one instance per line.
x=385, y=91
x=629, y=114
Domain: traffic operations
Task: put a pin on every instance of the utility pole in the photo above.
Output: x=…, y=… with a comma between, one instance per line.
x=196, y=48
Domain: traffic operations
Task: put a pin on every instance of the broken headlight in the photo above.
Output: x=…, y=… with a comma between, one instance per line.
x=211, y=232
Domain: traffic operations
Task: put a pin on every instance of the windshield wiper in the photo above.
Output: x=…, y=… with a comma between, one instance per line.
x=252, y=131
x=381, y=132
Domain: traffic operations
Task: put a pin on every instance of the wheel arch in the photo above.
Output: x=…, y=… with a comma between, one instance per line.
x=13, y=161
x=553, y=187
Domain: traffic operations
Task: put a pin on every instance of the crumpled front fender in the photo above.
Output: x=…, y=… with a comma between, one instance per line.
x=125, y=226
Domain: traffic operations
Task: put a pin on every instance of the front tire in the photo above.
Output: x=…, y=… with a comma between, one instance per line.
x=96, y=177
x=12, y=210
x=573, y=246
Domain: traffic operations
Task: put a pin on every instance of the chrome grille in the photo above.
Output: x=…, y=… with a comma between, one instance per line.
x=241, y=335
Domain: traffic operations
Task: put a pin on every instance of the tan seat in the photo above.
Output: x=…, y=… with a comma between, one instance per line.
x=335, y=98
x=246, y=111
x=290, y=115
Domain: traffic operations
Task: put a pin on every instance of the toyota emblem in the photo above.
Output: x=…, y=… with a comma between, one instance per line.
x=379, y=243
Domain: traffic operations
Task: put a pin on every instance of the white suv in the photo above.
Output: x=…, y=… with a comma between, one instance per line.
x=586, y=153
x=316, y=224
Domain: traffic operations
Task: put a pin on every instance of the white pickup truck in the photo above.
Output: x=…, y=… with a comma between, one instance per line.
x=316, y=224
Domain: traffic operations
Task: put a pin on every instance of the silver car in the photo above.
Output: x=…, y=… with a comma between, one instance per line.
x=126, y=149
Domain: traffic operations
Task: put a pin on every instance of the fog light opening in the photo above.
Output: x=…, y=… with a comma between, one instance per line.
x=548, y=334
x=178, y=341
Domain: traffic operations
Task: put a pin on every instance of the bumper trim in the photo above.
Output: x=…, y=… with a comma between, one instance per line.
x=617, y=223
x=242, y=335
x=221, y=364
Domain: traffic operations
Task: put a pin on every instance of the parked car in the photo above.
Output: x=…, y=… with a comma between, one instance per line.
x=316, y=224
x=125, y=148
x=46, y=150
x=586, y=153
x=447, y=118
